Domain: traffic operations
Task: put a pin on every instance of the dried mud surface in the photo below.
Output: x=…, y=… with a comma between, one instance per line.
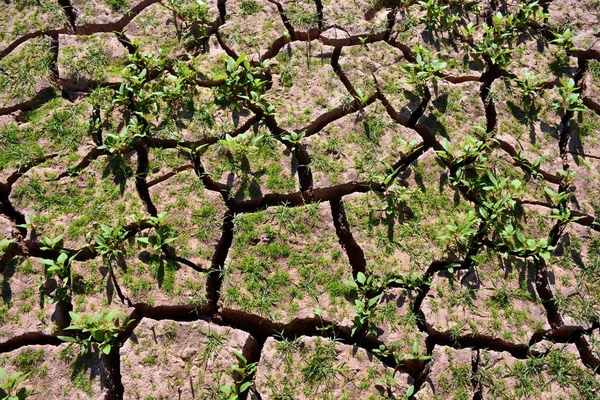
x=267, y=238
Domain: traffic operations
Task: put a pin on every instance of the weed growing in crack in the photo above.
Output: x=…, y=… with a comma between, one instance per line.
x=569, y=97
x=565, y=40
x=243, y=83
x=58, y=286
x=110, y=243
x=163, y=234
x=530, y=85
x=97, y=333
x=241, y=374
x=437, y=15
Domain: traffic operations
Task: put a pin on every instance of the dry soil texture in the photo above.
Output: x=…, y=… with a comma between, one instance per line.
x=300, y=199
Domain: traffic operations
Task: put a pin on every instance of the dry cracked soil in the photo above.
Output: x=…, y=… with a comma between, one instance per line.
x=299, y=199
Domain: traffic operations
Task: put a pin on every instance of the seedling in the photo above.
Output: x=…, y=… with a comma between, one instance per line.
x=97, y=333
x=437, y=16
x=395, y=197
x=192, y=13
x=362, y=97
x=30, y=222
x=469, y=29
x=413, y=281
x=529, y=84
x=293, y=138
x=530, y=10
x=415, y=354
x=241, y=145
x=363, y=41
x=51, y=244
x=370, y=290
x=494, y=52
x=4, y=244
x=163, y=234
x=121, y=142
x=565, y=40
x=61, y=268
x=242, y=82
x=241, y=374
x=461, y=230
x=11, y=386
x=109, y=243
x=424, y=69
x=570, y=99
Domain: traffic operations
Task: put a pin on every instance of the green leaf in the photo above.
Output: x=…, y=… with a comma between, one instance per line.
x=75, y=317
x=99, y=240
x=225, y=389
x=143, y=239
x=483, y=213
x=374, y=300
x=110, y=317
x=62, y=258
x=361, y=278
x=68, y=339
x=241, y=357
x=106, y=349
x=245, y=386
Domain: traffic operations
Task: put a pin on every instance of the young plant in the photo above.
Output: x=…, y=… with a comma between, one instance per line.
x=241, y=378
x=51, y=244
x=122, y=141
x=468, y=30
x=293, y=138
x=565, y=40
x=425, y=68
x=395, y=197
x=110, y=242
x=163, y=234
x=362, y=97
x=437, y=16
x=415, y=354
x=370, y=291
x=193, y=14
x=494, y=52
x=530, y=10
x=461, y=230
x=242, y=82
x=529, y=84
x=61, y=269
x=497, y=45
x=365, y=309
x=570, y=99
x=413, y=281
x=97, y=333
x=11, y=386
x=241, y=145
x=4, y=244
